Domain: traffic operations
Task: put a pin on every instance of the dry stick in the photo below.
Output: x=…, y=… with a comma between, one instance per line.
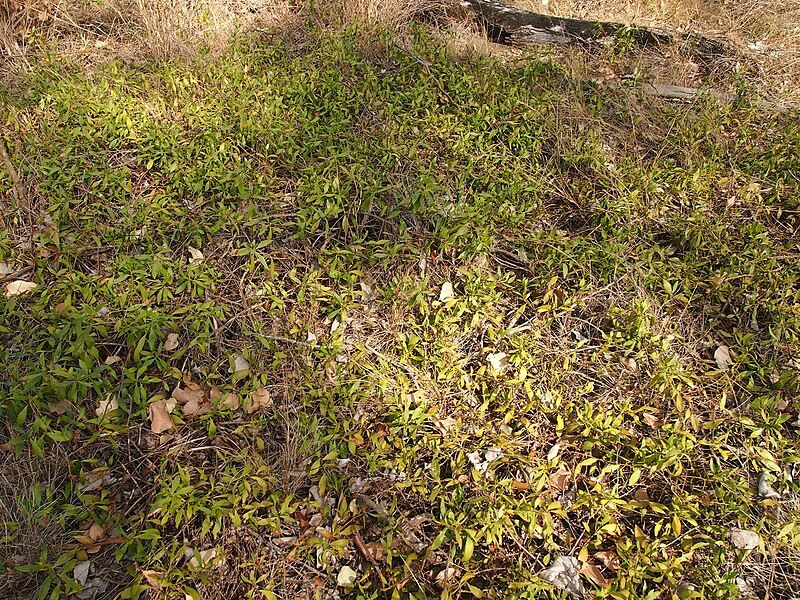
x=16, y=182
x=676, y=92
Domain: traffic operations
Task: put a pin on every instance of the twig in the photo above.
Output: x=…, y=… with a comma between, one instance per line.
x=15, y=274
x=19, y=189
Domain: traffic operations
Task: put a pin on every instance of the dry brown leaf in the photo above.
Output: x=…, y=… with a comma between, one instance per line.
x=652, y=420
x=171, y=343
x=186, y=395
x=641, y=495
x=560, y=479
x=96, y=532
x=594, y=575
x=231, y=400
x=259, y=399
x=609, y=559
x=160, y=420
x=153, y=579
x=193, y=408
x=723, y=357
x=375, y=550
x=19, y=286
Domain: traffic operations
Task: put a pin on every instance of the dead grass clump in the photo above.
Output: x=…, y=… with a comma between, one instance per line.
x=26, y=523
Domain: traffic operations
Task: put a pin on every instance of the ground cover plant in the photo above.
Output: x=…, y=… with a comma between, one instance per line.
x=352, y=315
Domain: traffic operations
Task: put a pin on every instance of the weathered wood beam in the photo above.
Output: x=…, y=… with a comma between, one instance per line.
x=513, y=26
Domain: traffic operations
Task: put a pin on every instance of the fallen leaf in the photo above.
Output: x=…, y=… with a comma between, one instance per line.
x=560, y=479
x=448, y=575
x=96, y=532
x=594, y=575
x=641, y=495
x=112, y=360
x=240, y=365
x=81, y=571
x=259, y=399
x=723, y=357
x=609, y=558
x=765, y=489
x=153, y=579
x=498, y=361
x=346, y=577
x=196, y=256
x=375, y=550
x=186, y=395
x=231, y=400
x=107, y=405
x=95, y=480
x=444, y=425
x=193, y=408
x=160, y=420
x=744, y=539
x=652, y=420
x=19, y=286
x=5, y=269
x=552, y=454
x=446, y=292
x=200, y=558
x=171, y=343
x=564, y=574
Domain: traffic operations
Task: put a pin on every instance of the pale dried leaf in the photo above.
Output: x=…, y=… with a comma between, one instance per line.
x=5, y=269
x=498, y=361
x=448, y=575
x=107, y=405
x=552, y=454
x=259, y=399
x=186, y=395
x=723, y=357
x=765, y=489
x=564, y=574
x=201, y=557
x=81, y=571
x=652, y=420
x=745, y=539
x=112, y=360
x=446, y=292
x=444, y=425
x=172, y=342
x=240, y=364
x=346, y=577
x=193, y=408
x=196, y=256
x=19, y=286
x=160, y=420
x=96, y=531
